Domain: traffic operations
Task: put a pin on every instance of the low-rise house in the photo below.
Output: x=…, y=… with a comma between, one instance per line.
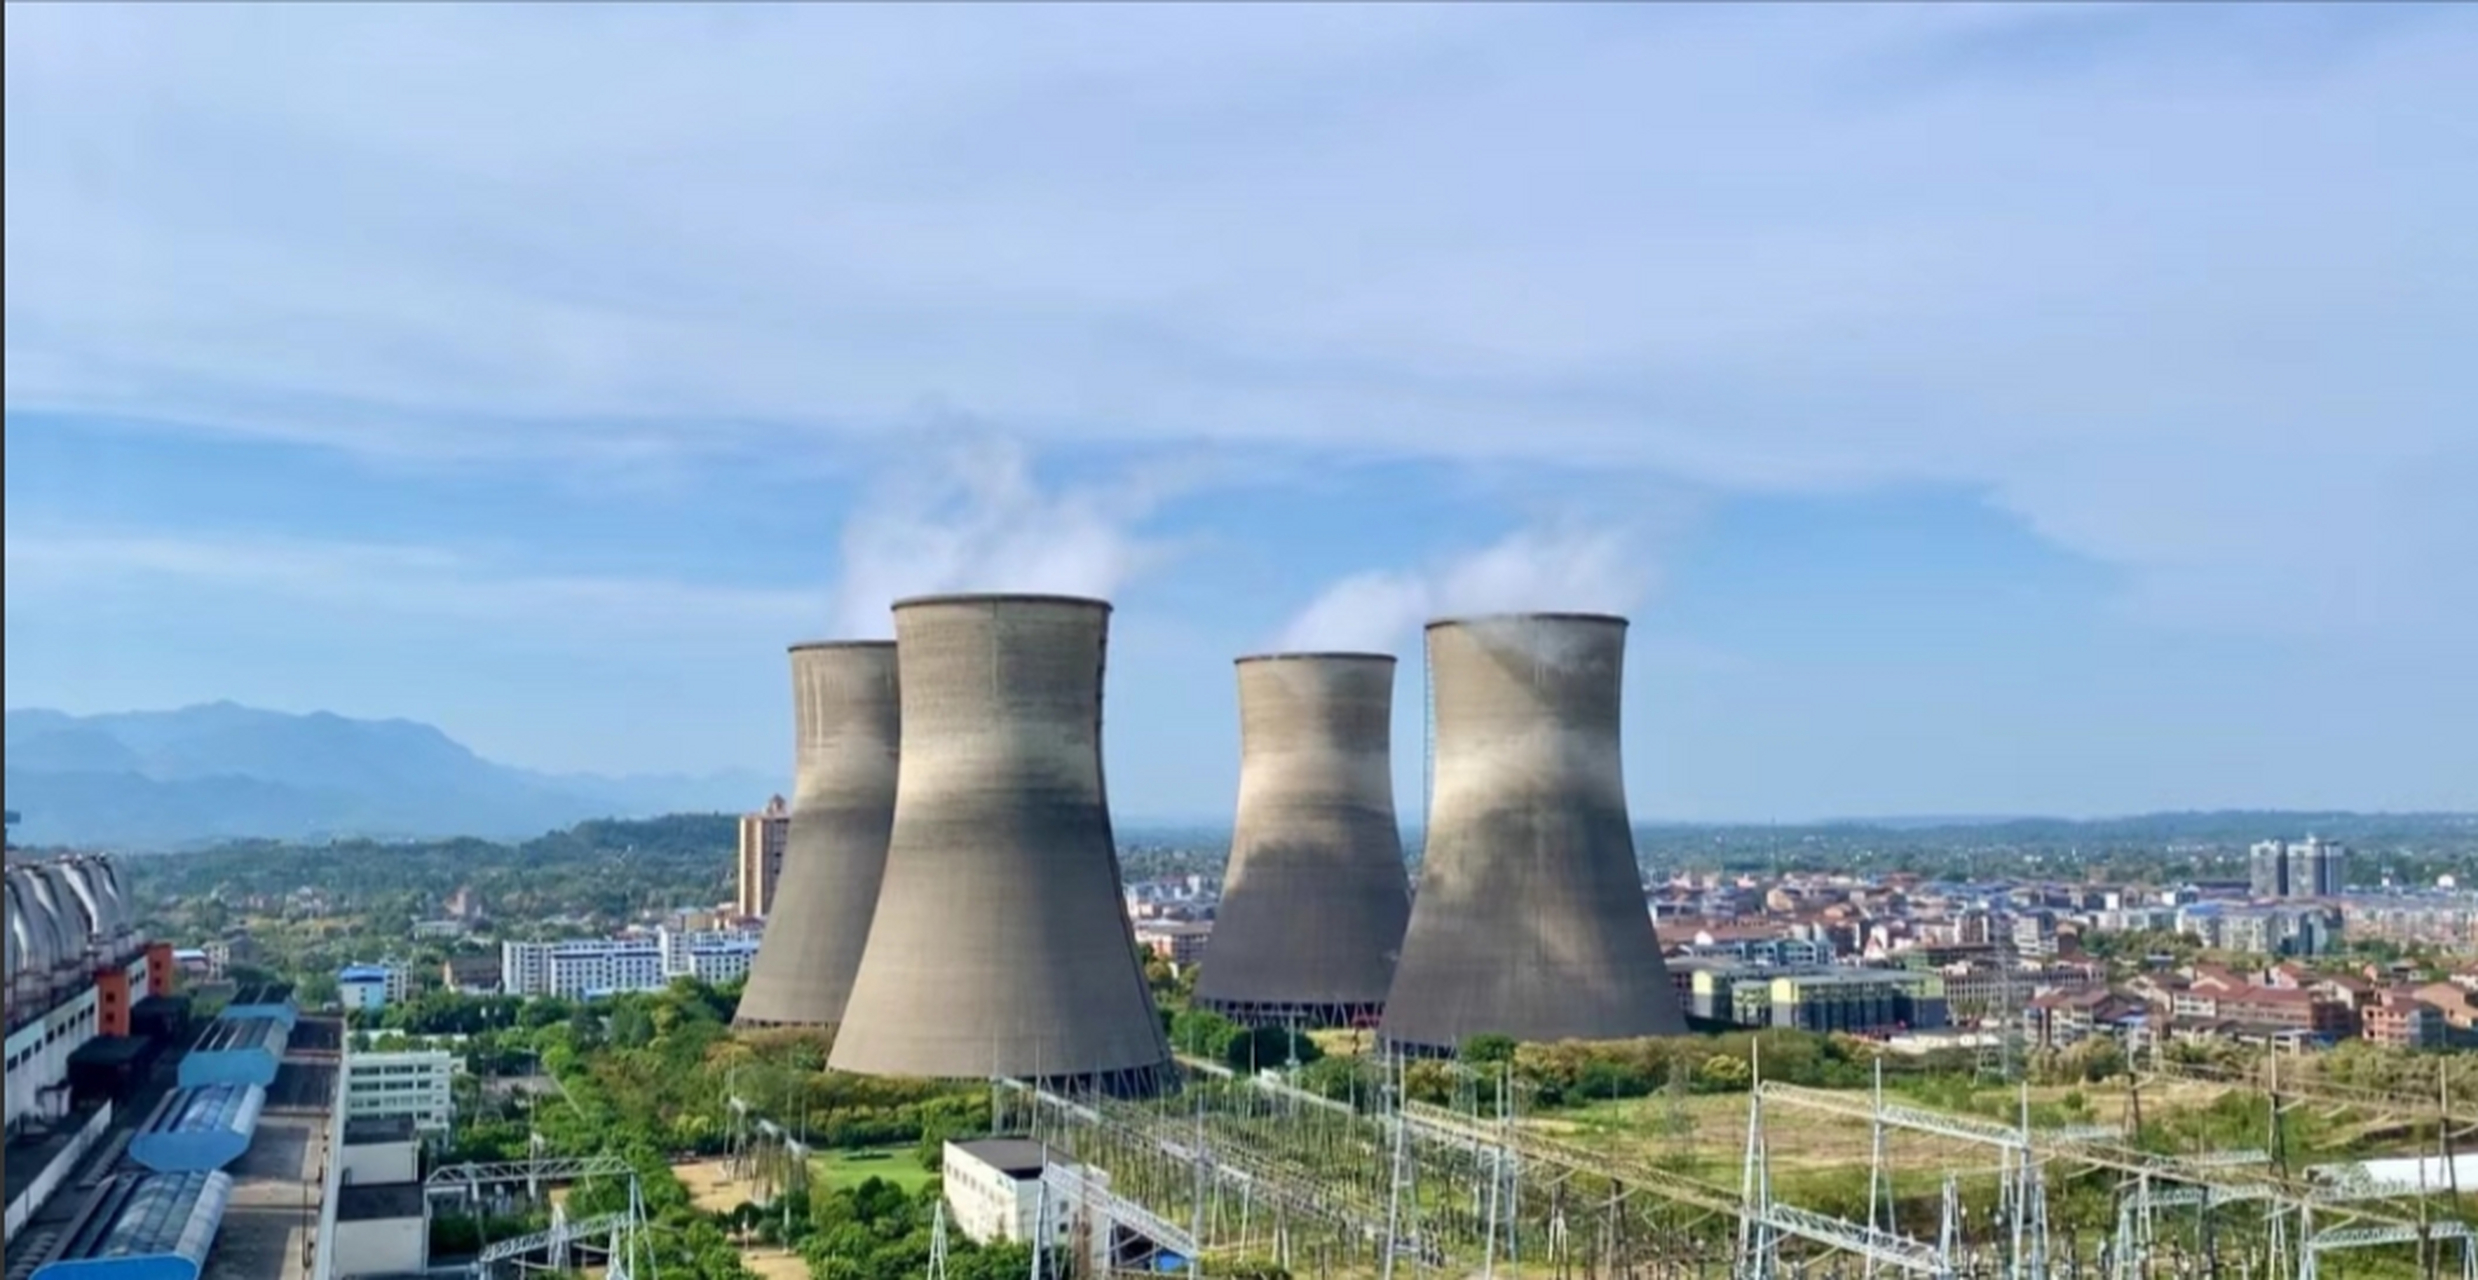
x=2403, y=1021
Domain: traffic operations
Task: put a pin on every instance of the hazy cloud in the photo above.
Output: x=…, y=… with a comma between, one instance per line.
x=2190, y=301
x=975, y=517
x=1564, y=568
x=53, y=565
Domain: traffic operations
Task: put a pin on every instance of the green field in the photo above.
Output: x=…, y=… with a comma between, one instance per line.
x=898, y=1165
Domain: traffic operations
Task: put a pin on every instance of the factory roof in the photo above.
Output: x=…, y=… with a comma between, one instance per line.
x=110, y=1051
x=364, y=1131
x=1015, y=1157
x=143, y=1220
x=238, y=1035
x=376, y=1201
x=208, y=1108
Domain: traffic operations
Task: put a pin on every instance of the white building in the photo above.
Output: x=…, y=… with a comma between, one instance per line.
x=415, y=1083
x=372, y=1217
x=370, y=987
x=582, y=968
x=993, y=1187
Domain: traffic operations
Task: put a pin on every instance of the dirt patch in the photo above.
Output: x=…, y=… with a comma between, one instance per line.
x=775, y=1264
x=711, y=1187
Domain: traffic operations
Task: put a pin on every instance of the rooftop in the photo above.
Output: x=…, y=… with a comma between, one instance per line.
x=377, y=1201
x=149, y=1215
x=1016, y=1157
x=31, y=1150
x=367, y=1131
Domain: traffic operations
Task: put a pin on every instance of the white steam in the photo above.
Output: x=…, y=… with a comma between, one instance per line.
x=1564, y=569
x=981, y=521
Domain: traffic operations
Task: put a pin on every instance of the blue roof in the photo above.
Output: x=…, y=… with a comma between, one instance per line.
x=272, y=1000
x=363, y=973
x=236, y=1051
x=199, y=1129
x=144, y=1226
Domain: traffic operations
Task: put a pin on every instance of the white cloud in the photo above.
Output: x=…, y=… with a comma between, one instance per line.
x=55, y=565
x=975, y=518
x=1557, y=569
x=2194, y=288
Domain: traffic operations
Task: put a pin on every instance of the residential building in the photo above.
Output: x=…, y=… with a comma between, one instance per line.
x=1181, y=942
x=417, y=1083
x=587, y=967
x=2446, y=920
x=2267, y=869
x=2034, y=933
x=2061, y=1018
x=763, y=836
x=2459, y=1010
x=470, y=975
x=366, y=988
x=2402, y=1020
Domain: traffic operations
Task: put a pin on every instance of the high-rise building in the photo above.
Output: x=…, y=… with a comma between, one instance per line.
x=763, y=835
x=2267, y=869
x=2330, y=861
x=2311, y=868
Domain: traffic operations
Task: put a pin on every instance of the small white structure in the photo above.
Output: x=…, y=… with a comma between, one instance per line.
x=379, y=1230
x=993, y=1187
x=379, y=1150
x=367, y=988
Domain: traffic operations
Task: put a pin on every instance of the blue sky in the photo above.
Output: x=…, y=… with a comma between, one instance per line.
x=2019, y=408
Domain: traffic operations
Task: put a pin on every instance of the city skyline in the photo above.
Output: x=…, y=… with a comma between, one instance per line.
x=2015, y=409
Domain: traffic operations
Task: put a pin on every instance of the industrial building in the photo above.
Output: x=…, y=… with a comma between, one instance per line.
x=272, y=1001
x=1875, y=1001
x=999, y=946
x=993, y=1187
x=1530, y=918
x=1018, y=1191
x=199, y=1130
x=846, y=718
x=89, y=1006
x=236, y=1050
x=1316, y=898
x=143, y=1226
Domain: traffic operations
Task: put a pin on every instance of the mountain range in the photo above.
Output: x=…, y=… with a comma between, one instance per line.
x=171, y=779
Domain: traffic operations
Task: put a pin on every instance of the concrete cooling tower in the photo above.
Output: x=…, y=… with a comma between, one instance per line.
x=1001, y=945
x=845, y=718
x=1316, y=899
x=1530, y=919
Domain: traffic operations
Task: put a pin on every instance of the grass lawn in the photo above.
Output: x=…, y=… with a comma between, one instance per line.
x=898, y=1165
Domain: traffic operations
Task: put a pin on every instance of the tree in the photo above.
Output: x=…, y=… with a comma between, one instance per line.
x=1488, y=1050
x=1201, y=1033
x=317, y=990
x=1722, y=1073
x=1263, y=1047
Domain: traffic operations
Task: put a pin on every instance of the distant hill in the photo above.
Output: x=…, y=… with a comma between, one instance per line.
x=168, y=779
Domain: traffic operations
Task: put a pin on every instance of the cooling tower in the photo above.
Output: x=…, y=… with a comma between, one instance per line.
x=1000, y=945
x=845, y=718
x=1530, y=919
x=1315, y=899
